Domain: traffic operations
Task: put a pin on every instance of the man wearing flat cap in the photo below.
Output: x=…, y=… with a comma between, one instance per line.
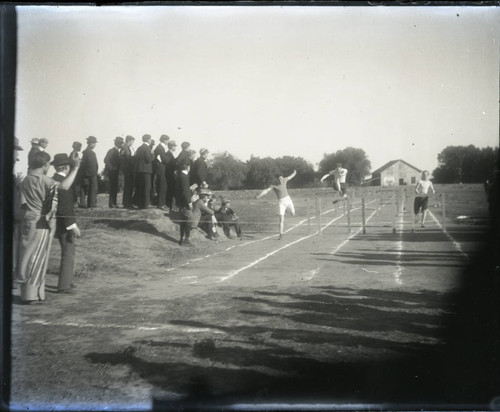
x=88, y=175
x=199, y=171
x=66, y=227
x=127, y=159
x=183, y=157
x=112, y=168
x=159, y=168
x=35, y=148
x=143, y=170
x=170, y=168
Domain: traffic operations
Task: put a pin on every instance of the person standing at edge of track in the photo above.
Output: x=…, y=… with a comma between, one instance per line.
x=422, y=200
x=183, y=201
x=87, y=175
x=159, y=168
x=143, y=169
x=75, y=153
x=112, y=162
x=339, y=180
x=284, y=200
x=127, y=158
x=170, y=168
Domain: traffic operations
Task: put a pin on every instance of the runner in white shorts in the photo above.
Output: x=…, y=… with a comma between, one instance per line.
x=284, y=200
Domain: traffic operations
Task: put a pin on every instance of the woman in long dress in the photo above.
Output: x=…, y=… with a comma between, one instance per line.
x=38, y=204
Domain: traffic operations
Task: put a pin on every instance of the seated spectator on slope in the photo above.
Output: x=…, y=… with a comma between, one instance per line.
x=228, y=219
x=203, y=216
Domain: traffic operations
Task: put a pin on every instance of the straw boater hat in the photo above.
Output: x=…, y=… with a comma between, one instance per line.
x=91, y=139
x=205, y=192
x=35, y=140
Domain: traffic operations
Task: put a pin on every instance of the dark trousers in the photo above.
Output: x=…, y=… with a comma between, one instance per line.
x=161, y=185
x=67, y=268
x=88, y=188
x=128, y=189
x=226, y=222
x=185, y=223
x=170, y=194
x=143, y=190
x=113, y=187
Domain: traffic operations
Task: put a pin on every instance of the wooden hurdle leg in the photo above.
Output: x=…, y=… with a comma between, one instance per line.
x=363, y=216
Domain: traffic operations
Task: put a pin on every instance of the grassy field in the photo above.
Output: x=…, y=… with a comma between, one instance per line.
x=340, y=316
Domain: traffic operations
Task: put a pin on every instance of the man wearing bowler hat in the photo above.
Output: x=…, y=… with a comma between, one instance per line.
x=127, y=158
x=143, y=170
x=112, y=162
x=66, y=227
x=88, y=174
x=170, y=168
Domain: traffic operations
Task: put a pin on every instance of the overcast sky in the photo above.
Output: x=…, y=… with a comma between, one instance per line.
x=268, y=81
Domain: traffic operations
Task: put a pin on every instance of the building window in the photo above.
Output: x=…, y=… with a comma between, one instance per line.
x=413, y=180
x=401, y=182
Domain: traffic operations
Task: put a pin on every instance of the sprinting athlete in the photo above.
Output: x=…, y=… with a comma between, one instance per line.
x=339, y=180
x=422, y=200
x=284, y=200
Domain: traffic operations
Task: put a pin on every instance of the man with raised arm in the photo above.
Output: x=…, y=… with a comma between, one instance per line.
x=284, y=200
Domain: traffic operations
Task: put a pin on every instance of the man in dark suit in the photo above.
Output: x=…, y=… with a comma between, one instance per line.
x=159, y=168
x=127, y=158
x=199, y=171
x=66, y=227
x=183, y=200
x=112, y=162
x=170, y=168
x=88, y=174
x=143, y=170
x=184, y=155
x=75, y=153
x=35, y=147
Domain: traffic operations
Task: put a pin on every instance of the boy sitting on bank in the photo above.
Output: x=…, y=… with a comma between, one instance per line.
x=227, y=219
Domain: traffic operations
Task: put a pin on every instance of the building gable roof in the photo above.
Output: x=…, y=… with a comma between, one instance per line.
x=389, y=164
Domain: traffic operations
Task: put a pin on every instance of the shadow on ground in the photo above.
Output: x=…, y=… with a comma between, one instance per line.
x=339, y=346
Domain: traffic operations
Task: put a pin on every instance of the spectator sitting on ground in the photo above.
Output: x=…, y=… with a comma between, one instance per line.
x=227, y=219
x=203, y=216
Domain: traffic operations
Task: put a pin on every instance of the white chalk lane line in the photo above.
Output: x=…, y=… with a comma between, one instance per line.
x=118, y=326
x=253, y=241
x=456, y=244
x=266, y=256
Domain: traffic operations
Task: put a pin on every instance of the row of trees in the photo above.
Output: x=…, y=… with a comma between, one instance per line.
x=466, y=164
x=228, y=172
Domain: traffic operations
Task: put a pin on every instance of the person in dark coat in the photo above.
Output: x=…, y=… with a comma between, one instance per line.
x=35, y=147
x=127, y=160
x=183, y=201
x=88, y=174
x=199, y=171
x=75, y=153
x=143, y=170
x=159, y=168
x=227, y=219
x=112, y=164
x=170, y=168
x=66, y=227
x=184, y=155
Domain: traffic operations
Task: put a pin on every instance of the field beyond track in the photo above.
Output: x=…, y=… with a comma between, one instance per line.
x=324, y=315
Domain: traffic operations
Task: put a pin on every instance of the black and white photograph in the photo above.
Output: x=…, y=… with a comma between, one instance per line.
x=251, y=207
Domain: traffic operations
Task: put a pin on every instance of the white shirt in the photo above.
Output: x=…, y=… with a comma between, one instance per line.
x=339, y=174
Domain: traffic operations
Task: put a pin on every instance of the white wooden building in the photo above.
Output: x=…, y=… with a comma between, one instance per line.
x=396, y=173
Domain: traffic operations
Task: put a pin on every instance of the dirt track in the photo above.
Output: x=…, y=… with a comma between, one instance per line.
x=330, y=316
